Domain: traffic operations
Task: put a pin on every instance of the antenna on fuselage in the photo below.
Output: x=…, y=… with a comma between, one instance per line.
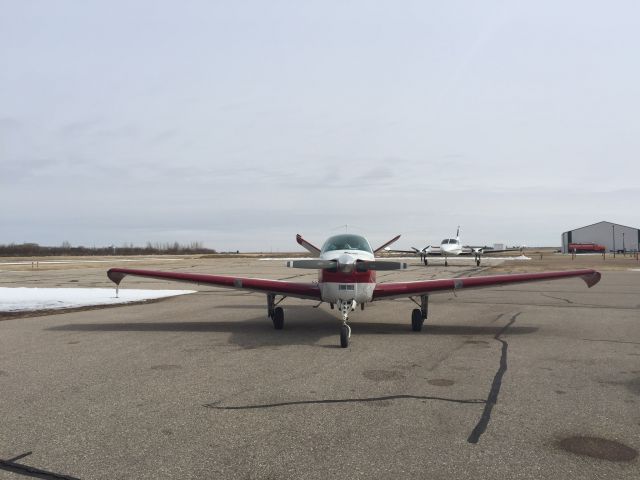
x=346, y=227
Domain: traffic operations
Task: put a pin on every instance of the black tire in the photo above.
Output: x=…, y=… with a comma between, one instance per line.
x=278, y=318
x=426, y=262
x=344, y=336
x=416, y=320
x=478, y=262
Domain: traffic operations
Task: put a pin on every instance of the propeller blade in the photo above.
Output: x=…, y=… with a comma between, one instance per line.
x=365, y=265
x=312, y=264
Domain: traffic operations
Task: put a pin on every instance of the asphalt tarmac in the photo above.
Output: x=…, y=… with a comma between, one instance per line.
x=529, y=381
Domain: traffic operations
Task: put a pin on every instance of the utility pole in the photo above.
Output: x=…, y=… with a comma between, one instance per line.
x=613, y=235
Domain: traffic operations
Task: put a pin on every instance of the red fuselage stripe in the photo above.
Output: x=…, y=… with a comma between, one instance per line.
x=327, y=276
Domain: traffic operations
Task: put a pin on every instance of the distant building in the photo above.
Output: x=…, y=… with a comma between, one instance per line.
x=613, y=236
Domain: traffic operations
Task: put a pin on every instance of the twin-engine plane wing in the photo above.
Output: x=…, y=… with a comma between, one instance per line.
x=453, y=247
x=347, y=278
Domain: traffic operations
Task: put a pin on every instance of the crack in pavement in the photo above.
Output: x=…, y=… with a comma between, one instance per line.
x=558, y=298
x=492, y=399
x=10, y=465
x=215, y=406
x=609, y=341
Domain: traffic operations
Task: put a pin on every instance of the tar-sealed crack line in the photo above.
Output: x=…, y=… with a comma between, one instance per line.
x=558, y=298
x=492, y=399
x=215, y=405
x=27, y=471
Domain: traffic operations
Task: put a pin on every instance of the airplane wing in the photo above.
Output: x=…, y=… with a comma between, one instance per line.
x=310, y=247
x=382, y=247
x=278, y=287
x=469, y=250
x=425, y=287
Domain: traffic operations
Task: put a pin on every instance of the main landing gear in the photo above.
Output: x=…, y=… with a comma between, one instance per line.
x=419, y=315
x=276, y=314
x=477, y=260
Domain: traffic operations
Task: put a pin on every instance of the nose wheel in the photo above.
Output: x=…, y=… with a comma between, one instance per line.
x=345, y=335
x=345, y=306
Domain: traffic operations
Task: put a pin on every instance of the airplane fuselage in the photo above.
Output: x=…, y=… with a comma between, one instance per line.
x=450, y=247
x=346, y=282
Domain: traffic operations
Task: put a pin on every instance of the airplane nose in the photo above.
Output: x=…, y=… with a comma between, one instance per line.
x=346, y=263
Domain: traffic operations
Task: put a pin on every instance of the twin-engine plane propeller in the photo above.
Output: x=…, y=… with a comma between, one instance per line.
x=347, y=278
x=453, y=247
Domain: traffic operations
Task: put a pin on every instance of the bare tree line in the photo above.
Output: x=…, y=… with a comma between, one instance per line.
x=35, y=250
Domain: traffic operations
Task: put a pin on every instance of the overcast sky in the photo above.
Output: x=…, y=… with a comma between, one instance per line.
x=241, y=123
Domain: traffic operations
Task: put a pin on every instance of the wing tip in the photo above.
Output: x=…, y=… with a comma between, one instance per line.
x=592, y=278
x=115, y=276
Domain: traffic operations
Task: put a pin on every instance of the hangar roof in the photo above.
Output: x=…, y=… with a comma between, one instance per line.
x=603, y=221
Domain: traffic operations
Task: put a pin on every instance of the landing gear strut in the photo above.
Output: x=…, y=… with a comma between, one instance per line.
x=419, y=315
x=345, y=307
x=477, y=260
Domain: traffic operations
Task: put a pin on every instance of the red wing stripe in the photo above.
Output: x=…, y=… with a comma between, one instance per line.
x=292, y=289
x=408, y=289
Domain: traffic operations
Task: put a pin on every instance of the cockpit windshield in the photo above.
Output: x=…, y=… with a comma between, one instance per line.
x=346, y=242
x=450, y=241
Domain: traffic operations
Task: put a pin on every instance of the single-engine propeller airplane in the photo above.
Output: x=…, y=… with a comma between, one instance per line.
x=347, y=278
x=452, y=247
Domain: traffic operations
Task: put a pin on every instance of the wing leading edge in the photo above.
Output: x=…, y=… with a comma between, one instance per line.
x=279, y=287
x=410, y=289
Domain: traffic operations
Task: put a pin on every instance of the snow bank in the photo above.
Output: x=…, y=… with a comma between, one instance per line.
x=30, y=299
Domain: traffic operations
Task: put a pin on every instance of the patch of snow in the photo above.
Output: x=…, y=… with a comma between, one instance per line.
x=23, y=299
x=72, y=262
x=521, y=257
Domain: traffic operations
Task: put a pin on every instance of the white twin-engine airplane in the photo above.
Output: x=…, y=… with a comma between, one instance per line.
x=347, y=278
x=452, y=247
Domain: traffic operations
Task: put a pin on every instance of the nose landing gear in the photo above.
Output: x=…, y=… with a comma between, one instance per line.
x=345, y=307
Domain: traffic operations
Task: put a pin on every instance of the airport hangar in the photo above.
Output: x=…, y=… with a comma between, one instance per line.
x=615, y=237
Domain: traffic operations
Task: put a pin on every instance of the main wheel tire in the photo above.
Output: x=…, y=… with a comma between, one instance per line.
x=426, y=262
x=416, y=320
x=278, y=318
x=478, y=262
x=344, y=336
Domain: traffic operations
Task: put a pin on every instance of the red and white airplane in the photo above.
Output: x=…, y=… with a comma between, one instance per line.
x=347, y=278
